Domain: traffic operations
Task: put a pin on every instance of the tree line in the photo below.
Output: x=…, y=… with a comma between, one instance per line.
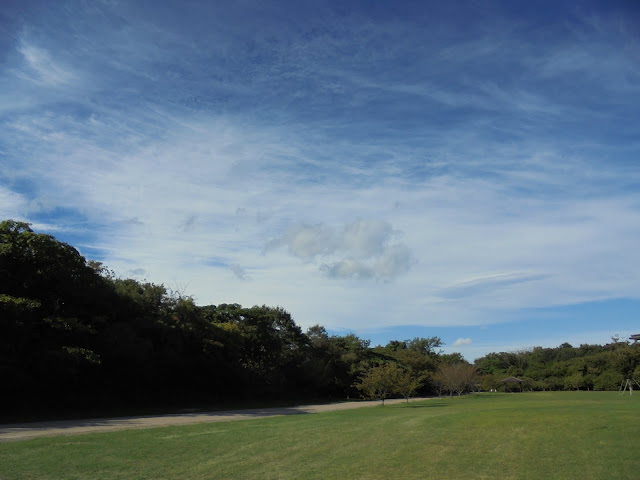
x=73, y=334
x=587, y=367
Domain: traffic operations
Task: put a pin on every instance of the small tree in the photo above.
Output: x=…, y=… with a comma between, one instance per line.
x=380, y=381
x=407, y=385
x=458, y=377
x=443, y=380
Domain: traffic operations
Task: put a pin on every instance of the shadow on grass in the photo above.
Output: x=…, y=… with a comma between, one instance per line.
x=429, y=405
x=144, y=421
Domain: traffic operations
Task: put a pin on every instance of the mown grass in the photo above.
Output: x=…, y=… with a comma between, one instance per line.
x=564, y=435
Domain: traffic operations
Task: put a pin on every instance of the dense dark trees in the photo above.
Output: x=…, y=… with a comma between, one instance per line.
x=72, y=335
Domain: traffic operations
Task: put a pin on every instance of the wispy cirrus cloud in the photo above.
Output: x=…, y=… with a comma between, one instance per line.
x=495, y=282
x=42, y=68
x=472, y=165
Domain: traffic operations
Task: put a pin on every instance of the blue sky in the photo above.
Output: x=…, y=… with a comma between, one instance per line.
x=395, y=169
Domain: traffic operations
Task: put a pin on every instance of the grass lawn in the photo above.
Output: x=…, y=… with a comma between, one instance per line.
x=559, y=435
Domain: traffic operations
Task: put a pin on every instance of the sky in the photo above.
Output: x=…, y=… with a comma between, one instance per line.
x=468, y=170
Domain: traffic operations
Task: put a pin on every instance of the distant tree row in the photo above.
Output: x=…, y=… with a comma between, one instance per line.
x=587, y=367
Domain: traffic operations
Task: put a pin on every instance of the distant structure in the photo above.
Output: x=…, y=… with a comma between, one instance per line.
x=511, y=381
x=628, y=384
x=635, y=338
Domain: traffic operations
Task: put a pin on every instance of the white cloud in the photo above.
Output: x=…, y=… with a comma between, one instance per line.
x=462, y=341
x=306, y=242
x=348, y=268
x=366, y=238
x=360, y=249
x=12, y=205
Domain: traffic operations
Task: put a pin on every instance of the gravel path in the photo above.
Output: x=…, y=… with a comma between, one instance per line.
x=24, y=431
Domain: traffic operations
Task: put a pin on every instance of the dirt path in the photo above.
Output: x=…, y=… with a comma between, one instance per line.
x=24, y=431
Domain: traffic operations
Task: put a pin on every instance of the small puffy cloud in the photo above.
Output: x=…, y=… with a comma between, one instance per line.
x=365, y=238
x=461, y=341
x=306, y=242
x=348, y=268
x=360, y=249
x=395, y=259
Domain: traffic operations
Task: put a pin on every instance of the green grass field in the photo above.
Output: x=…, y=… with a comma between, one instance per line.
x=560, y=435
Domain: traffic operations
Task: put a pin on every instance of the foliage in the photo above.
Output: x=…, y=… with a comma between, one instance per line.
x=379, y=382
x=382, y=381
x=407, y=384
x=587, y=367
x=457, y=377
